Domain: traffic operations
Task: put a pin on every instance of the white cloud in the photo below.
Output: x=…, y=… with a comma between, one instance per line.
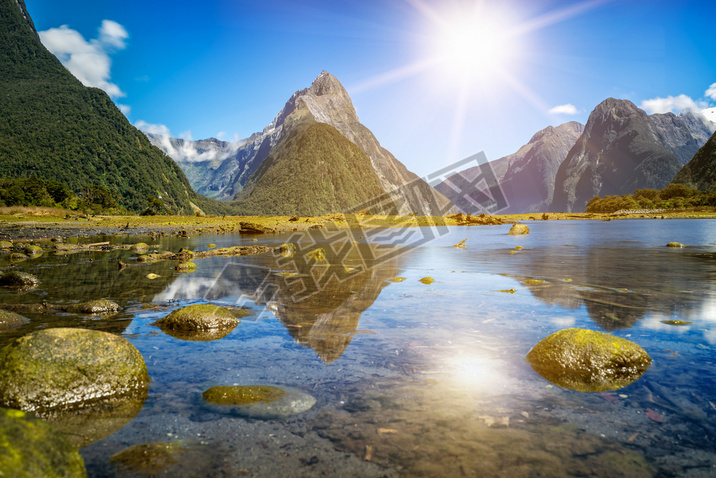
x=188, y=149
x=674, y=104
x=89, y=61
x=711, y=92
x=125, y=109
x=568, y=109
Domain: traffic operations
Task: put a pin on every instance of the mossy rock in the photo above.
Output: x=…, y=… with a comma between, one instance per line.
x=139, y=247
x=427, y=280
x=30, y=250
x=264, y=402
x=152, y=257
x=67, y=367
x=287, y=250
x=18, y=280
x=185, y=267
x=149, y=458
x=101, y=306
x=588, y=361
x=184, y=255
x=318, y=255
x=519, y=230
x=200, y=322
x=396, y=279
x=253, y=228
x=30, y=448
x=677, y=245
x=6, y=245
x=210, y=246
x=18, y=257
x=9, y=320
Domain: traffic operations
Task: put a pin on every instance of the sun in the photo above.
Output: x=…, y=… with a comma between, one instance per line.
x=473, y=43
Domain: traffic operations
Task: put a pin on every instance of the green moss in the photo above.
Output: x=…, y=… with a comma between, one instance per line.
x=675, y=244
x=243, y=395
x=318, y=255
x=65, y=367
x=6, y=245
x=31, y=448
x=211, y=246
x=18, y=257
x=588, y=361
x=427, y=280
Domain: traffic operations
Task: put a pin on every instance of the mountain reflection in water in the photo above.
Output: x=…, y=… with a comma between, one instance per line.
x=325, y=320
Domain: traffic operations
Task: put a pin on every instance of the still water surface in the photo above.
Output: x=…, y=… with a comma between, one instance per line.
x=410, y=378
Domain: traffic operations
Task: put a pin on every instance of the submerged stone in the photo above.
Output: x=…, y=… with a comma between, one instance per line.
x=260, y=401
x=139, y=247
x=66, y=367
x=6, y=245
x=518, y=230
x=101, y=306
x=287, y=250
x=397, y=279
x=8, y=319
x=149, y=458
x=185, y=267
x=201, y=322
x=18, y=280
x=588, y=361
x=30, y=250
x=676, y=322
x=32, y=448
x=318, y=255
x=18, y=257
x=675, y=244
x=427, y=280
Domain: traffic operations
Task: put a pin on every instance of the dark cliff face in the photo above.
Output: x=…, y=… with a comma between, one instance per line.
x=325, y=101
x=622, y=149
x=527, y=176
x=700, y=172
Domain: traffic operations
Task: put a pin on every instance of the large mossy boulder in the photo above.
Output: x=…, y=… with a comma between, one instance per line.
x=588, y=361
x=18, y=280
x=264, y=402
x=67, y=367
x=9, y=320
x=199, y=322
x=31, y=448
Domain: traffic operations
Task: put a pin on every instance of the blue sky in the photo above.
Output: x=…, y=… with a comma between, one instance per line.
x=435, y=81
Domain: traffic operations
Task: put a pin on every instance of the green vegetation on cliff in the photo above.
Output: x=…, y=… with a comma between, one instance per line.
x=54, y=128
x=314, y=171
x=700, y=172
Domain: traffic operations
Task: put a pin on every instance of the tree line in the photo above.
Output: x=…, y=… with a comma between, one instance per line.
x=673, y=196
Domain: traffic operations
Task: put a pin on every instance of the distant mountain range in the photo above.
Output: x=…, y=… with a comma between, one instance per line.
x=620, y=149
x=241, y=172
x=53, y=127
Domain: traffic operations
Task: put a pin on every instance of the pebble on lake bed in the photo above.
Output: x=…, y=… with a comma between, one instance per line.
x=9, y=319
x=259, y=401
x=198, y=322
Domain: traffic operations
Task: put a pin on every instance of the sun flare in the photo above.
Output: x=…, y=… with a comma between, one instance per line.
x=474, y=43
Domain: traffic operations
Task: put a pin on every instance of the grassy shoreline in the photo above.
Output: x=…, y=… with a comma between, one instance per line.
x=45, y=223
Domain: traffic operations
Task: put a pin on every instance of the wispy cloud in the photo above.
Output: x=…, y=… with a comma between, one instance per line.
x=711, y=91
x=187, y=150
x=568, y=109
x=89, y=61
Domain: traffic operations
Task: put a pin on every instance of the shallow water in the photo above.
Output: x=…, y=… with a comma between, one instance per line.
x=409, y=378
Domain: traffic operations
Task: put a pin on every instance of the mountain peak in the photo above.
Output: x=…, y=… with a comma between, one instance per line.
x=612, y=108
x=325, y=84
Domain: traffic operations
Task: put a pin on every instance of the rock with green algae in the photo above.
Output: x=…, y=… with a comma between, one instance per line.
x=287, y=250
x=18, y=280
x=677, y=245
x=518, y=230
x=198, y=322
x=396, y=279
x=149, y=458
x=9, y=320
x=6, y=245
x=139, y=247
x=264, y=402
x=588, y=361
x=18, y=257
x=185, y=267
x=100, y=306
x=68, y=367
x=30, y=250
x=31, y=448
x=427, y=280
x=154, y=257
